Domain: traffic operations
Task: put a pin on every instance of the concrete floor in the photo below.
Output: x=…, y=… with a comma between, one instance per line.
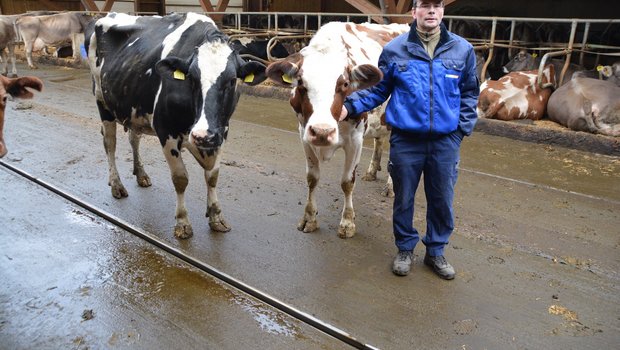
x=535, y=248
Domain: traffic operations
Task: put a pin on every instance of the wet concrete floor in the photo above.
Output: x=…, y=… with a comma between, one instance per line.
x=535, y=247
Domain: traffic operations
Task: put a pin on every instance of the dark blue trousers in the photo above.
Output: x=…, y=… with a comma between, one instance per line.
x=437, y=158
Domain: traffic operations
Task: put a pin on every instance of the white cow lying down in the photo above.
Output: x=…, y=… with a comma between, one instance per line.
x=586, y=104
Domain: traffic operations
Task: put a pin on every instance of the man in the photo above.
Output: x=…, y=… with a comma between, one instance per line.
x=430, y=75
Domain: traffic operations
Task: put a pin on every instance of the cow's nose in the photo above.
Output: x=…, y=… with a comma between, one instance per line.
x=321, y=134
x=205, y=139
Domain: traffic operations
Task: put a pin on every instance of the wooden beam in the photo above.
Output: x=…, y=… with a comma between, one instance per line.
x=222, y=5
x=90, y=5
x=404, y=6
x=206, y=5
x=366, y=7
x=50, y=5
x=390, y=6
x=107, y=6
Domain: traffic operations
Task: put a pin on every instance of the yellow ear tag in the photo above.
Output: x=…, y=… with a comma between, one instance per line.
x=534, y=55
x=599, y=68
x=178, y=75
x=287, y=79
x=249, y=78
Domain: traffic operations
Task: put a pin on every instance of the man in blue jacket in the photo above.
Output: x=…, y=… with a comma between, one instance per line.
x=429, y=74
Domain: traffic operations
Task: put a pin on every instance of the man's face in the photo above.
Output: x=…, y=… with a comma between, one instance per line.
x=428, y=15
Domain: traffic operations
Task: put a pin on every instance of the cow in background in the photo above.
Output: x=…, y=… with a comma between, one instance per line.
x=8, y=40
x=586, y=104
x=524, y=61
x=609, y=73
x=517, y=95
x=174, y=77
x=16, y=87
x=340, y=59
x=252, y=48
x=39, y=31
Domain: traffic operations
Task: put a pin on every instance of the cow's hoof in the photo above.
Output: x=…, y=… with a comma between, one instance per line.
x=144, y=181
x=346, y=231
x=307, y=225
x=369, y=177
x=183, y=231
x=119, y=192
x=12, y=75
x=3, y=150
x=388, y=192
x=219, y=225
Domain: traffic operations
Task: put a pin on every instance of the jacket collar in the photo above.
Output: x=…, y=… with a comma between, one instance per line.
x=415, y=45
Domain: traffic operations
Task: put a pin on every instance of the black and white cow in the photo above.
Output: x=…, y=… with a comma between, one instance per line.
x=174, y=77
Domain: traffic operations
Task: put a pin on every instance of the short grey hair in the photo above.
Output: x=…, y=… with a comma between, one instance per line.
x=415, y=2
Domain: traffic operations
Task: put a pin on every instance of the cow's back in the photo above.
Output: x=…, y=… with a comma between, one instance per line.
x=576, y=103
x=123, y=51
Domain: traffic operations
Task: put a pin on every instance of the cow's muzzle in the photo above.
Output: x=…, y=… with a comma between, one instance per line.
x=321, y=135
x=206, y=140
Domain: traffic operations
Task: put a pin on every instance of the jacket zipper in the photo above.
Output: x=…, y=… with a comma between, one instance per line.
x=431, y=100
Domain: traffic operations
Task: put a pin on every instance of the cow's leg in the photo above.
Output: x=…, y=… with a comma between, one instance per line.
x=308, y=222
x=388, y=189
x=11, y=48
x=29, y=46
x=353, y=153
x=3, y=149
x=108, y=131
x=375, y=161
x=178, y=172
x=5, y=63
x=214, y=212
x=138, y=169
x=76, y=41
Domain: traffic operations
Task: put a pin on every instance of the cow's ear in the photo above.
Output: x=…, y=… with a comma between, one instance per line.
x=252, y=73
x=172, y=68
x=364, y=76
x=17, y=87
x=286, y=71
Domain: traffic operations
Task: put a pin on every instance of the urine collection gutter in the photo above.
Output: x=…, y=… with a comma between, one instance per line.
x=235, y=283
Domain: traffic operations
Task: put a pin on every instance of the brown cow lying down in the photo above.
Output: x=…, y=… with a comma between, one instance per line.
x=516, y=95
x=17, y=88
x=586, y=104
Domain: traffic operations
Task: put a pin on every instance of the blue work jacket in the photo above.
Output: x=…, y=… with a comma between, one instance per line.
x=427, y=96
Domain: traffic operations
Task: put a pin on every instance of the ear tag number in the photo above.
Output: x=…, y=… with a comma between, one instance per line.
x=249, y=78
x=287, y=78
x=178, y=75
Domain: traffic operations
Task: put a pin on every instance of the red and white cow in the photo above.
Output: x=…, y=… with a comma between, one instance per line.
x=16, y=87
x=340, y=59
x=39, y=31
x=586, y=104
x=516, y=95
